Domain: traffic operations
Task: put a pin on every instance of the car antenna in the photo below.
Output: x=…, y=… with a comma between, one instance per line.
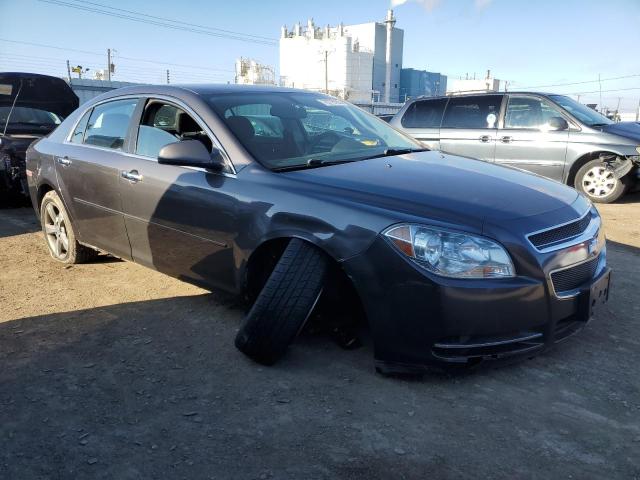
x=4, y=131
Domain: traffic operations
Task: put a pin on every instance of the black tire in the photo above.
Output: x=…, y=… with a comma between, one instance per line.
x=55, y=230
x=609, y=191
x=284, y=304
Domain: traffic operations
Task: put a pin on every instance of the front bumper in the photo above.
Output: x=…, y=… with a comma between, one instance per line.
x=419, y=319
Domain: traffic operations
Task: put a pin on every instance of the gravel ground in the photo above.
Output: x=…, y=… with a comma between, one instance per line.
x=110, y=370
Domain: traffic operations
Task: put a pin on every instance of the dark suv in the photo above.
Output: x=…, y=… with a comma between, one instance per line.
x=551, y=135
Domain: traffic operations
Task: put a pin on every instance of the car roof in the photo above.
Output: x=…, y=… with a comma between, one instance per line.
x=186, y=92
x=482, y=94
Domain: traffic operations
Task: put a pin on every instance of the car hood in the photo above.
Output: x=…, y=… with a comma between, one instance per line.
x=442, y=187
x=43, y=92
x=629, y=130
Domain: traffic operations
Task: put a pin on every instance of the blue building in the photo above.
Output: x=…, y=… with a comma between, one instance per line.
x=416, y=83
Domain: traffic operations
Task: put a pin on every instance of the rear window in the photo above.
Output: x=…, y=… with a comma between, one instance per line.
x=424, y=114
x=78, y=133
x=472, y=112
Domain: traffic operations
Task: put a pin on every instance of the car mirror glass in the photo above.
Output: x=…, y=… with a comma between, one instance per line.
x=557, y=123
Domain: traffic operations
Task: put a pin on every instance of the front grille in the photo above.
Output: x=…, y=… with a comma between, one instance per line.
x=560, y=234
x=574, y=277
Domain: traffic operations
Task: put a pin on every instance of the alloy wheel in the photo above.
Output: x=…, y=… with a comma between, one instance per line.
x=599, y=181
x=55, y=230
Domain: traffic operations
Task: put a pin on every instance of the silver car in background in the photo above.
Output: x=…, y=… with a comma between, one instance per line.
x=551, y=135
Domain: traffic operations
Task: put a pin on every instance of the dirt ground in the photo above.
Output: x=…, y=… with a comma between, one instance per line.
x=110, y=370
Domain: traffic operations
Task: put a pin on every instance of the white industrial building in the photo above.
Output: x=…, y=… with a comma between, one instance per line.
x=250, y=72
x=463, y=85
x=359, y=63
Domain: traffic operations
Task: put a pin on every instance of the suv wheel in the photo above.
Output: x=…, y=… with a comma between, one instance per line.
x=597, y=181
x=59, y=233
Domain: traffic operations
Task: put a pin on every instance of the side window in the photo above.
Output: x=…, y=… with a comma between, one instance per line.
x=528, y=113
x=78, y=134
x=424, y=114
x=472, y=112
x=163, y=124
x=109, y=122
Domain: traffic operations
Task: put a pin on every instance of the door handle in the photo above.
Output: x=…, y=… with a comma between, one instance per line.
x=506, y=139
x=64, y=161
x=485, y=138
x=132, y=176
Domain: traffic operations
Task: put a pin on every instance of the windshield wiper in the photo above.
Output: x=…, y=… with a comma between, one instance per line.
x=312, y=163
x=390, y=152
x=318, y=162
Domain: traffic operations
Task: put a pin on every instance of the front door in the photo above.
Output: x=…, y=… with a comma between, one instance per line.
x=179, y=219
x=526, y=141
x=470, y=125
x=88, y=172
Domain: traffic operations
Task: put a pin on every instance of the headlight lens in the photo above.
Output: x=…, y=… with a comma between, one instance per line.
x=451, y=254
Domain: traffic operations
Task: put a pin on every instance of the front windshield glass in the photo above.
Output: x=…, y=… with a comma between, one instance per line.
x=586, y=115
x=25, y=117
x=288, y=130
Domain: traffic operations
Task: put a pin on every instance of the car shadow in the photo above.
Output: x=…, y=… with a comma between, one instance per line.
x=17, y=221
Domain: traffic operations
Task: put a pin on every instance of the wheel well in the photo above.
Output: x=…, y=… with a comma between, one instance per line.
x=339, y=290
x=581, y=161
x=42, y=191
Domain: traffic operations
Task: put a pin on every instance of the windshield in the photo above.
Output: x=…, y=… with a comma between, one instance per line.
x=26, y=117
x=586, y=115
x=285, y=130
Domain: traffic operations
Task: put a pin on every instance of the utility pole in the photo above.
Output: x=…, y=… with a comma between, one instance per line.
x=600, y=83
x=69, y=71
x=638, y=112
x=578, y=98
x=168, y=77
x=326, y=72
x=109, y=64
x=618, y=107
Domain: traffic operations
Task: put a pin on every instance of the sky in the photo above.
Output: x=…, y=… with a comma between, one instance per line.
x=530, y=44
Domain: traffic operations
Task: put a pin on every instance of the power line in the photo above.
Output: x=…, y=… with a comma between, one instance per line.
x=117, y=56
x=598, y=91
x=259, y=37
x=194, y=29
x=581, y=83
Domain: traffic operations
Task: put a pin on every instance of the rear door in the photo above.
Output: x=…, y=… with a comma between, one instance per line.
x=88, y=175
x=470, y=126
x=422, y=121
x=180, y=220
x=525, y=140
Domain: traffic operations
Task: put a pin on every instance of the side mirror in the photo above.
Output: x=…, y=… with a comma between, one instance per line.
x=558, y=123
x=191, y=153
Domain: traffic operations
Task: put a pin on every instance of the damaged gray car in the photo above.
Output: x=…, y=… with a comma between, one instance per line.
x=551, y=135
x=31, y=107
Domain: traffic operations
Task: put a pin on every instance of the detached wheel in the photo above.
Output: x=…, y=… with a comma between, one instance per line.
x=284, y=304
x=59, y=233
x=598, y=182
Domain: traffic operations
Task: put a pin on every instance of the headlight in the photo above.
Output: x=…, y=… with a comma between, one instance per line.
x=451, y=254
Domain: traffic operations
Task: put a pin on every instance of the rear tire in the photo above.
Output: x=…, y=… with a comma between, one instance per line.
x=284, y=304
x=59, y=232
x=597, y=181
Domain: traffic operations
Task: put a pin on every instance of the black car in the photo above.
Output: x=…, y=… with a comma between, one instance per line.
x=31, y=106
x=291, y=197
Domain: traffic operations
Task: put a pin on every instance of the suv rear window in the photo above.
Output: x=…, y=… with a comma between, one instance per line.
x=472, y=112
x=424, y=114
